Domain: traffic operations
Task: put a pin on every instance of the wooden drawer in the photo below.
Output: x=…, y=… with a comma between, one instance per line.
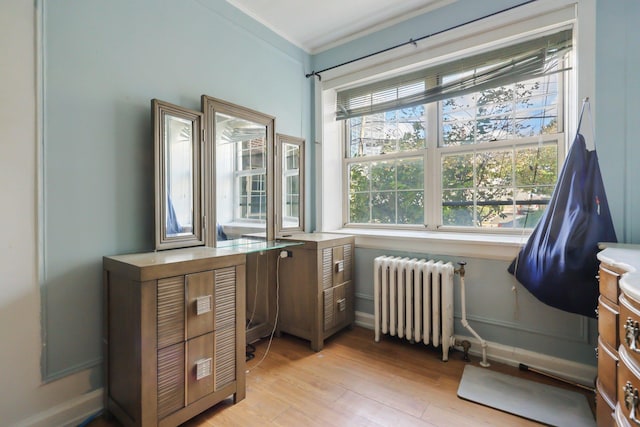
x=338, y=306
x=336, y=265
x=607, y=362
x=609, y=284
x=629, y=327
x=200, y=367
x=628, y=383
x=200, y=303
x=619, y=418
x=604, y=411
x=608, y=313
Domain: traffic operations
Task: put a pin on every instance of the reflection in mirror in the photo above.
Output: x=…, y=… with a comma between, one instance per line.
x=242, y=141
x=177, y=132
x=178, y=163
x=241, y=170
x=290, y=185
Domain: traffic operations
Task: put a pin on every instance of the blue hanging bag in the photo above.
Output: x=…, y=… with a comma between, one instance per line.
x=558, y=264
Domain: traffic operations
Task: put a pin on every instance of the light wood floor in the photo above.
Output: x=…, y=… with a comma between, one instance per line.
x=354, y=381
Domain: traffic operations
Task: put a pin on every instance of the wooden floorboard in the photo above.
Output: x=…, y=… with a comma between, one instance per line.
x=354, y=381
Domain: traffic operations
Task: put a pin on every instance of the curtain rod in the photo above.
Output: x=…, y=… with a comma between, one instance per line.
x=414, y=41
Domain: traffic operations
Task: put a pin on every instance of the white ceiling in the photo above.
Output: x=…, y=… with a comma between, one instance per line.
x=317, y=25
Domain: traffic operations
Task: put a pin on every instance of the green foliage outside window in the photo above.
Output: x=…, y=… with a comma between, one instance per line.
x=482, y=186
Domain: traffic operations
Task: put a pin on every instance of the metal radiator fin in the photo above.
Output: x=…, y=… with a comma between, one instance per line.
x=413, y=299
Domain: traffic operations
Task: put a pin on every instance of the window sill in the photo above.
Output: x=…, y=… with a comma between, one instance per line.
x=474, y=245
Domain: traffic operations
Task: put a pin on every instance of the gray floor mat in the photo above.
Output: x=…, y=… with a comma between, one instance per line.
x=539, y=402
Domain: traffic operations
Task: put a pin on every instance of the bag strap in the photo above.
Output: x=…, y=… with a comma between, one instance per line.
x=586, y=106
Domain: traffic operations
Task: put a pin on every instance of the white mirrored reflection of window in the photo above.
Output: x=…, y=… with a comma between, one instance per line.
x=291, y=185
x=179, y=182
x=483, y=158
x=241, y=193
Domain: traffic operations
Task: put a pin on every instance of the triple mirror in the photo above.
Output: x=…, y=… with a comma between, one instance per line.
x=216, y=175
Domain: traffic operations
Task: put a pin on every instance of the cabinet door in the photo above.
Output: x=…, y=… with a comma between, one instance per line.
x=170, y=379
x=347, y=251
x=200, y=303
x=327, y=268
x=170, y=311
x=225, y=327
x=329, y=309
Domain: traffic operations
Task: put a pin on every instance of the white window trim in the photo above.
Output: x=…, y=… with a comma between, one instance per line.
x=543, y=15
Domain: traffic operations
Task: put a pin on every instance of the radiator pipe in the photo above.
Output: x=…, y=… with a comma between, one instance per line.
x=483, y=343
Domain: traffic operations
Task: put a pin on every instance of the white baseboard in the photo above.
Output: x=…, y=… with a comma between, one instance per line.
x=68, y=414
x=567, y=369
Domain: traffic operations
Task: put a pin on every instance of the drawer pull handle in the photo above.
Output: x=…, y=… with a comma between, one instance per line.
x=203, y=368
x=631, y=401
x=339, y=266
x=342, y=304
x=204, y=304
x=632, y=333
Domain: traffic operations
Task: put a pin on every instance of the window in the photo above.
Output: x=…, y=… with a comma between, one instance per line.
x=474, y=143
x=250, y=176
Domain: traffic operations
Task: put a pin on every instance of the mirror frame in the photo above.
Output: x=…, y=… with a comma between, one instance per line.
x=282, y=139
x=211, y=106
x=160, y=110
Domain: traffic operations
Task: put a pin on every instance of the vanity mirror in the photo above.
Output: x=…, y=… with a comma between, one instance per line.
x=177, y=136
x=289, y=184
x=239, y=160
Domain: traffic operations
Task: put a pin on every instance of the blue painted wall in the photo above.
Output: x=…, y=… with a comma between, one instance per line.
x=103, y=63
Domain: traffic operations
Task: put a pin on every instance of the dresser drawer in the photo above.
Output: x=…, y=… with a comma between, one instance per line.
x=629, y=327
x=338, y=305
x=200, y=303
x=609, y=284
x=200, y=367
x=604, y=411
x=607, y=362
x=608, y=313
x=628, y=383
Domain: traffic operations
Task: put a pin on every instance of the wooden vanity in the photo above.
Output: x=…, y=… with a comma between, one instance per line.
x=617, y=400
x=317, y=292
x=174, y=333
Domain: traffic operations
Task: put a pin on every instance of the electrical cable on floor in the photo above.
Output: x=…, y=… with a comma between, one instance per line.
x=275, y=323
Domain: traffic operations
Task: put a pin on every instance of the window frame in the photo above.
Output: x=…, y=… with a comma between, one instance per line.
x=432, y=155
x=489, y=33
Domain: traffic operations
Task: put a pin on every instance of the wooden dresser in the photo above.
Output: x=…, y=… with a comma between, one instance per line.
x=174, y=334
x=316, y=294
x=619, y=337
